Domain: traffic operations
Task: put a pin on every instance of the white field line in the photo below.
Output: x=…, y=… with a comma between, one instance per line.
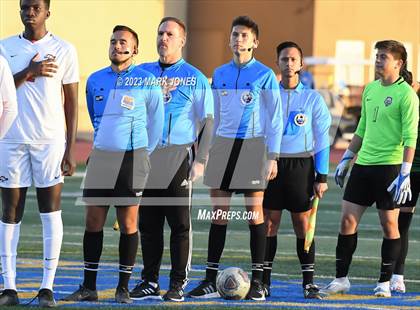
x=286, y=253
x=240, y=232
x=72, y=232
x=167, y=267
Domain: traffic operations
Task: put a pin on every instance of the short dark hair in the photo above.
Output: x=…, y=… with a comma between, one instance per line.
x=47, y=3
x=289, y=44
x=397, y=50
x=126, y=28
x=175, y=20
x=247, y=22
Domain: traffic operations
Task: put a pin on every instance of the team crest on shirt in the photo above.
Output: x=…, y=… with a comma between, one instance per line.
x=168, y=85
x=167, y=97
x=300, y=119
x=246, y=98
x=388, y=101
x=3, y=179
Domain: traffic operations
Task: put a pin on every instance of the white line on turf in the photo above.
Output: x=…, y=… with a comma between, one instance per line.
x=284, y=253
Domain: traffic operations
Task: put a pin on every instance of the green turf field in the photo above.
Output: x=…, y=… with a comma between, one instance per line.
x=365, y=266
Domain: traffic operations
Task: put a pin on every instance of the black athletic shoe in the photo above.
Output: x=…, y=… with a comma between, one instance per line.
x=256, y=291
x=175, y=293
x=267, y=290
x=145, y=290
x=46, y=298
x=122, y=296
x=9, y=298
x=82, y=294
x=206, y=289
x=311, y=291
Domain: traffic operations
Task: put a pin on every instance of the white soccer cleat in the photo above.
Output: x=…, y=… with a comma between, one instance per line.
x=397, y=283
x=337, y=286
x=382, y=289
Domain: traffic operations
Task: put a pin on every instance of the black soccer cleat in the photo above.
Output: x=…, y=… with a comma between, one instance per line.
x=175, y=293
x=122, y=296
x=46, y=298
x=256, y=291
x=9, y=298
x=206, y=289
x=145, y=290
x=311, y=291
x=82, y=294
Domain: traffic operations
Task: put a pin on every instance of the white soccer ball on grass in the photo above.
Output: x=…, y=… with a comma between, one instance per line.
x=233, y=283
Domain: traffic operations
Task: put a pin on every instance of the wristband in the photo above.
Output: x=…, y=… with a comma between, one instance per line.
x=405, y=168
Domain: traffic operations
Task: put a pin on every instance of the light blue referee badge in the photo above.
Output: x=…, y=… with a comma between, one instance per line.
x=127, y=102
x=300, y=119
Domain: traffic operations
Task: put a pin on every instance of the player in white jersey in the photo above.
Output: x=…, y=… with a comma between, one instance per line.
x=36, y=147
x=8, y=105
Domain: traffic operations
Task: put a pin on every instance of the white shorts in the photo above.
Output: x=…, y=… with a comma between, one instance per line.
x=22, y=163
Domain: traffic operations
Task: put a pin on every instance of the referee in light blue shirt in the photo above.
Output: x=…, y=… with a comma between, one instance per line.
x=246, y=145
x=127, y=116
x=188, y=119
x=302, y=167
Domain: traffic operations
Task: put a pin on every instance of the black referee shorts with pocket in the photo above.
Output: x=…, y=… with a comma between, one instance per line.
x=236, y=165
x=116, y=178
x=292, y=189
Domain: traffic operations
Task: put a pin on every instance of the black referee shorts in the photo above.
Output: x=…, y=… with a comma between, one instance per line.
x=116, y=178
x=236, y=165
x=292, y=189
x=368, y=185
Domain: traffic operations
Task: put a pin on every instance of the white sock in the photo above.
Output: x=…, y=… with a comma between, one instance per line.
x=397, y=277
x=52, y=232
x=9, y=238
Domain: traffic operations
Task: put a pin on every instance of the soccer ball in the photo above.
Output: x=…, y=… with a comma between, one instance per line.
x=233, y=283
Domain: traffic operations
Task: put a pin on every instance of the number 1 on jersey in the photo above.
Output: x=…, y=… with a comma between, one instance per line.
x=375, y=114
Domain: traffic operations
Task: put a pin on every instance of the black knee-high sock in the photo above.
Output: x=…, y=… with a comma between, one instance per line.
x=92, y=250
x=127, y=250
x=257, y=245
x=270, y=253
x=389, y=251
x=346, y=245
x=307, y=260
x=217, y=237
x=404, y=221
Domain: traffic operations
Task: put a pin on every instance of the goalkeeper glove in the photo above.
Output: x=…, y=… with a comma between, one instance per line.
x=401, y=185
x=343, y=167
